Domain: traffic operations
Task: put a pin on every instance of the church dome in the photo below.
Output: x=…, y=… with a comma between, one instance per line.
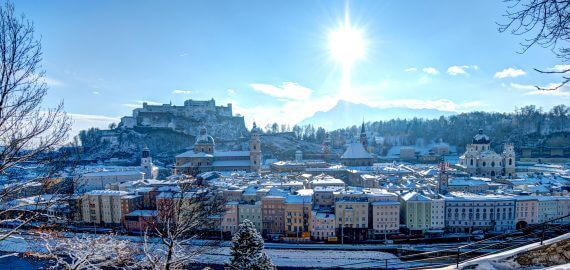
x=481, y=138
x=204, y=138
x=255, y=129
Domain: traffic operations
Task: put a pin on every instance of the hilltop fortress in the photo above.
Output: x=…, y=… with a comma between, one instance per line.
x=189, y=118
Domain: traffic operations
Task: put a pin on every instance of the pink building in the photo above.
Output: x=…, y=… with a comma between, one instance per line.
x=140, y=220
x=526, y=211
x=230, y=218
x=322, y=225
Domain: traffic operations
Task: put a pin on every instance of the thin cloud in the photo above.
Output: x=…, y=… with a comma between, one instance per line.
x=509, y=72
x=52, y=82
x=181, y=92
x=287, y=90
x=559, y=68
x=411, y=69
x=231, y=92
x=430, y=70
x=86, y=121
x=139, y=103
x=457, y=70
x=438, y=104
x=522, y=86
x=96, y=93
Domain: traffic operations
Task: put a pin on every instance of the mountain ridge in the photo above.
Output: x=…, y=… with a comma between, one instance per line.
x=345, y=113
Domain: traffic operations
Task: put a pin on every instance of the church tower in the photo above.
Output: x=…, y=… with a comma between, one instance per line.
x=255, y=149
x=146, y=163
x=443, y=178
x=508, y=156
x=363, y=139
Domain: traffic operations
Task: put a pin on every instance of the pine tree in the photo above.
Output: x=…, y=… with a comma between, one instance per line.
x=247, y=249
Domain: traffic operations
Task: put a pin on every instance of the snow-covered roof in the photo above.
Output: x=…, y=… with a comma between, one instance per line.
x=231, y=163
x=231, y=153
x=107, y=192
x=113, y=173
x=323, y=215
x=297, y=199
x=386, y=203
x=143, y=213
x=356, y=151
x=193, y=154
x=414, y=196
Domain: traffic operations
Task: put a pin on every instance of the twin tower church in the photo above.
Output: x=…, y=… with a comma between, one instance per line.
x=204, y=157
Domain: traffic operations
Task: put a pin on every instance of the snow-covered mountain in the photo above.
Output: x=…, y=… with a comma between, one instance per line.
x=346, y=113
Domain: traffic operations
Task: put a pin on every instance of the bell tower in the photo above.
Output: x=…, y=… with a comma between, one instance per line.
x=255, y=149
x=146, y=163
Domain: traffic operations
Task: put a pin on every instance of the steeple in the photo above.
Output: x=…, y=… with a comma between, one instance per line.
x=363, y=139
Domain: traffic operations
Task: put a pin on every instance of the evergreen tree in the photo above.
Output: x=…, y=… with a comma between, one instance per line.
x=247, y=249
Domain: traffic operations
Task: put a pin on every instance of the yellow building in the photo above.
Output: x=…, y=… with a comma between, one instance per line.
x=102, y=207
x=297, y=215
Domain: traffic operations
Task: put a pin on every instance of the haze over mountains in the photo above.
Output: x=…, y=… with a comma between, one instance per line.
x=344, y=113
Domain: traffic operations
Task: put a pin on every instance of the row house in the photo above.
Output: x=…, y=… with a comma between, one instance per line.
x=103, y=207
x=466, y=213
x=416, y=212
x=230, y=219
x=251, y=211
x=298, y=215
x=273, y=216
x=322, y=225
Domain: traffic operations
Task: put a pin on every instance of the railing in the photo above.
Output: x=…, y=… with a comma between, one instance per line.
x=460, y=254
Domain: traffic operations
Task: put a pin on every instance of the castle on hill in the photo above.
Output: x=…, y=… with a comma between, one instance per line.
x=188, y=118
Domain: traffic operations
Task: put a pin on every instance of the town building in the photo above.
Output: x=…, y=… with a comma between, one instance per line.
x=230, y=218
x=352, y=218
x=100, y=180
x=273, y=215
x=102, y=207
x=252, y=212
x=140, y=220
x=480, y=160
x=416, y=212
x=385, y=217
x=466, y=213
x=298, y=215
x=323, y=226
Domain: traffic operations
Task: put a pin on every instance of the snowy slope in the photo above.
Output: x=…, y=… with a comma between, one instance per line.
x=506, y=260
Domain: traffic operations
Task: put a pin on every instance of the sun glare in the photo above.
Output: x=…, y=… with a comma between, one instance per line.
x=346, y=44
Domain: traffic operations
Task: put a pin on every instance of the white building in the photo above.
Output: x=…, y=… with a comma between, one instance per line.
x=467, y=212
x=437, y=214
x=99, y=180
x=385, y=217
x=480, y=160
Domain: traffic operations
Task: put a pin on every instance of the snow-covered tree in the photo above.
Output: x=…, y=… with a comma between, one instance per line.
x=184, y=215
x=87, y=252
x=28, y=131
x=247, y=249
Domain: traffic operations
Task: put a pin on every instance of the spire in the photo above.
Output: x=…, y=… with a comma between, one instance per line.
x=362, y=129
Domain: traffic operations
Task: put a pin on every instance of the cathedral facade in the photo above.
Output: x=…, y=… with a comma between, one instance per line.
x=204, y=157
x=480, y=160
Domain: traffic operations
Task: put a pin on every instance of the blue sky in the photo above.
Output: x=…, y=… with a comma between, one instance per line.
x=271, y=58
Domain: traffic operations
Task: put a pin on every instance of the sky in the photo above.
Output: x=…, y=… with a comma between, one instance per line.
x=272, y=59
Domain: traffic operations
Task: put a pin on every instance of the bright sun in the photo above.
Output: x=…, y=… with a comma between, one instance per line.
x=347, y=44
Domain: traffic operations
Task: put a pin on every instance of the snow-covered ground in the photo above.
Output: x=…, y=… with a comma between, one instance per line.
x=281, y=257
x=506, y=260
